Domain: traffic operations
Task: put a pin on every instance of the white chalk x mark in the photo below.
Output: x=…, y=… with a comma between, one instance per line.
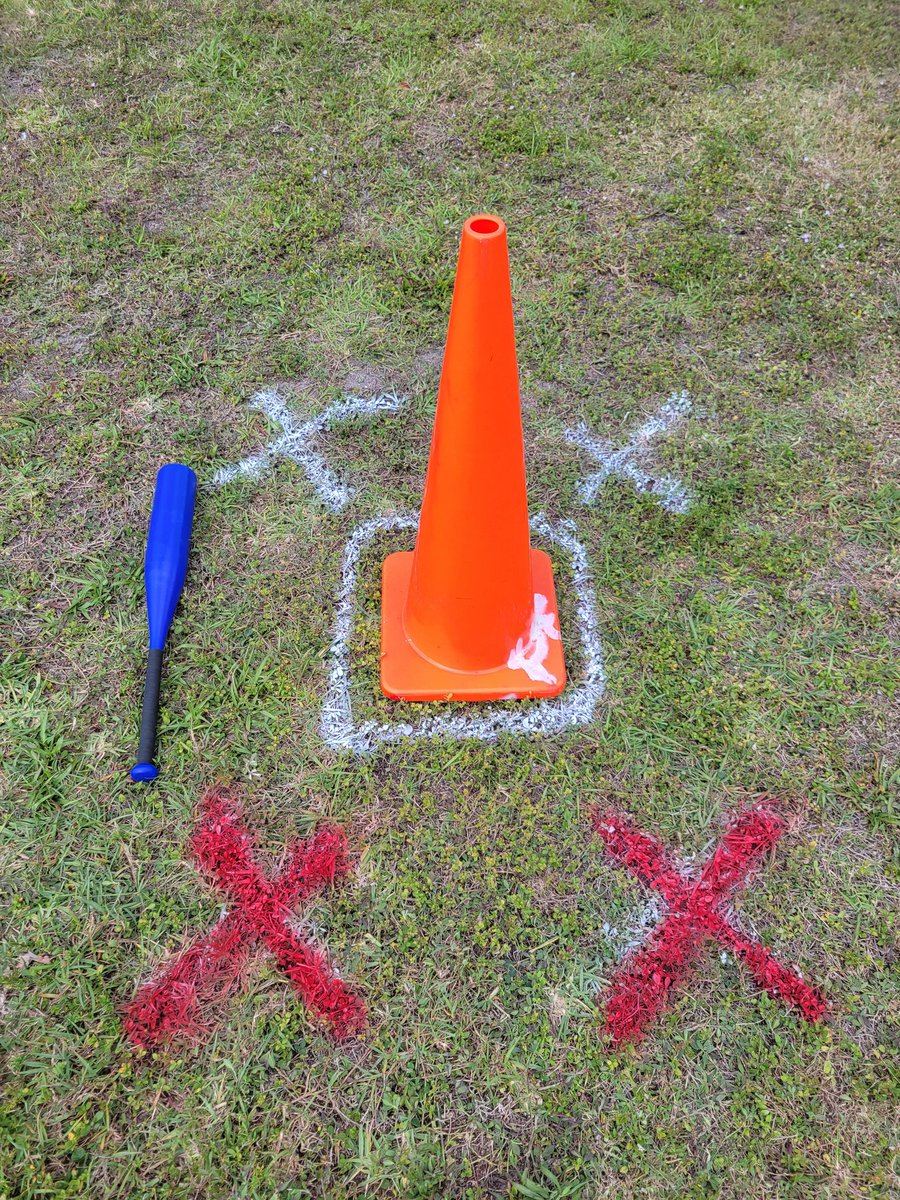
x=529, y=656
x=574, y=707
x=297, y=443
x=629, y=461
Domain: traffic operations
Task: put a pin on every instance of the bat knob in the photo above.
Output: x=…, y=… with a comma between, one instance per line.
x=144, y=772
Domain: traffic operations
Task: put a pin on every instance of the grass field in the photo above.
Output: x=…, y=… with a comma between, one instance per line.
x=200, y=200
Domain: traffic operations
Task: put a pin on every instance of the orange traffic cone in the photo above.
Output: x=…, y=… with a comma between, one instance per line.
x=471, y=614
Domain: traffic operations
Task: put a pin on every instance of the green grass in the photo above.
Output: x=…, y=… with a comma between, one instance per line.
x=198, y=200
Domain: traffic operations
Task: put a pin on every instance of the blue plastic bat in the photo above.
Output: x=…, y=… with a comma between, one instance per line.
x=165, y=566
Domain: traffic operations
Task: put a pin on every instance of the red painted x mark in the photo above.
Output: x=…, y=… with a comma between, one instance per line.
x=642, y=987
x=210, y=967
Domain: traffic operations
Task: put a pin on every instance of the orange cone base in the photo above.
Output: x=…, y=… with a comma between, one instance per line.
x=406, y=675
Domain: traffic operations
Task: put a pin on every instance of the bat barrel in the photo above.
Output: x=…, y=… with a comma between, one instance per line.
x=168, y=543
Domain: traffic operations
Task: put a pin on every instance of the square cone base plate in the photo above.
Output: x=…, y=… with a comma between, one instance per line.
x=406, y=675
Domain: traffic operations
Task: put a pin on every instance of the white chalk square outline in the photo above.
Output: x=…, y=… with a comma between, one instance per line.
x=575, y=706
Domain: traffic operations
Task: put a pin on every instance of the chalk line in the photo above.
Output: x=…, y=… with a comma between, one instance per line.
x=625, y=461
x=624, y=942
x=574, y=707
x=297, y=443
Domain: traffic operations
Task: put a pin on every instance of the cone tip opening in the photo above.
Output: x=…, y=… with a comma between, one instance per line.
x=485, y=226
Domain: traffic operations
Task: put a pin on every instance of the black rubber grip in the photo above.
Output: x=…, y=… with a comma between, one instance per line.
x=150, y=709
